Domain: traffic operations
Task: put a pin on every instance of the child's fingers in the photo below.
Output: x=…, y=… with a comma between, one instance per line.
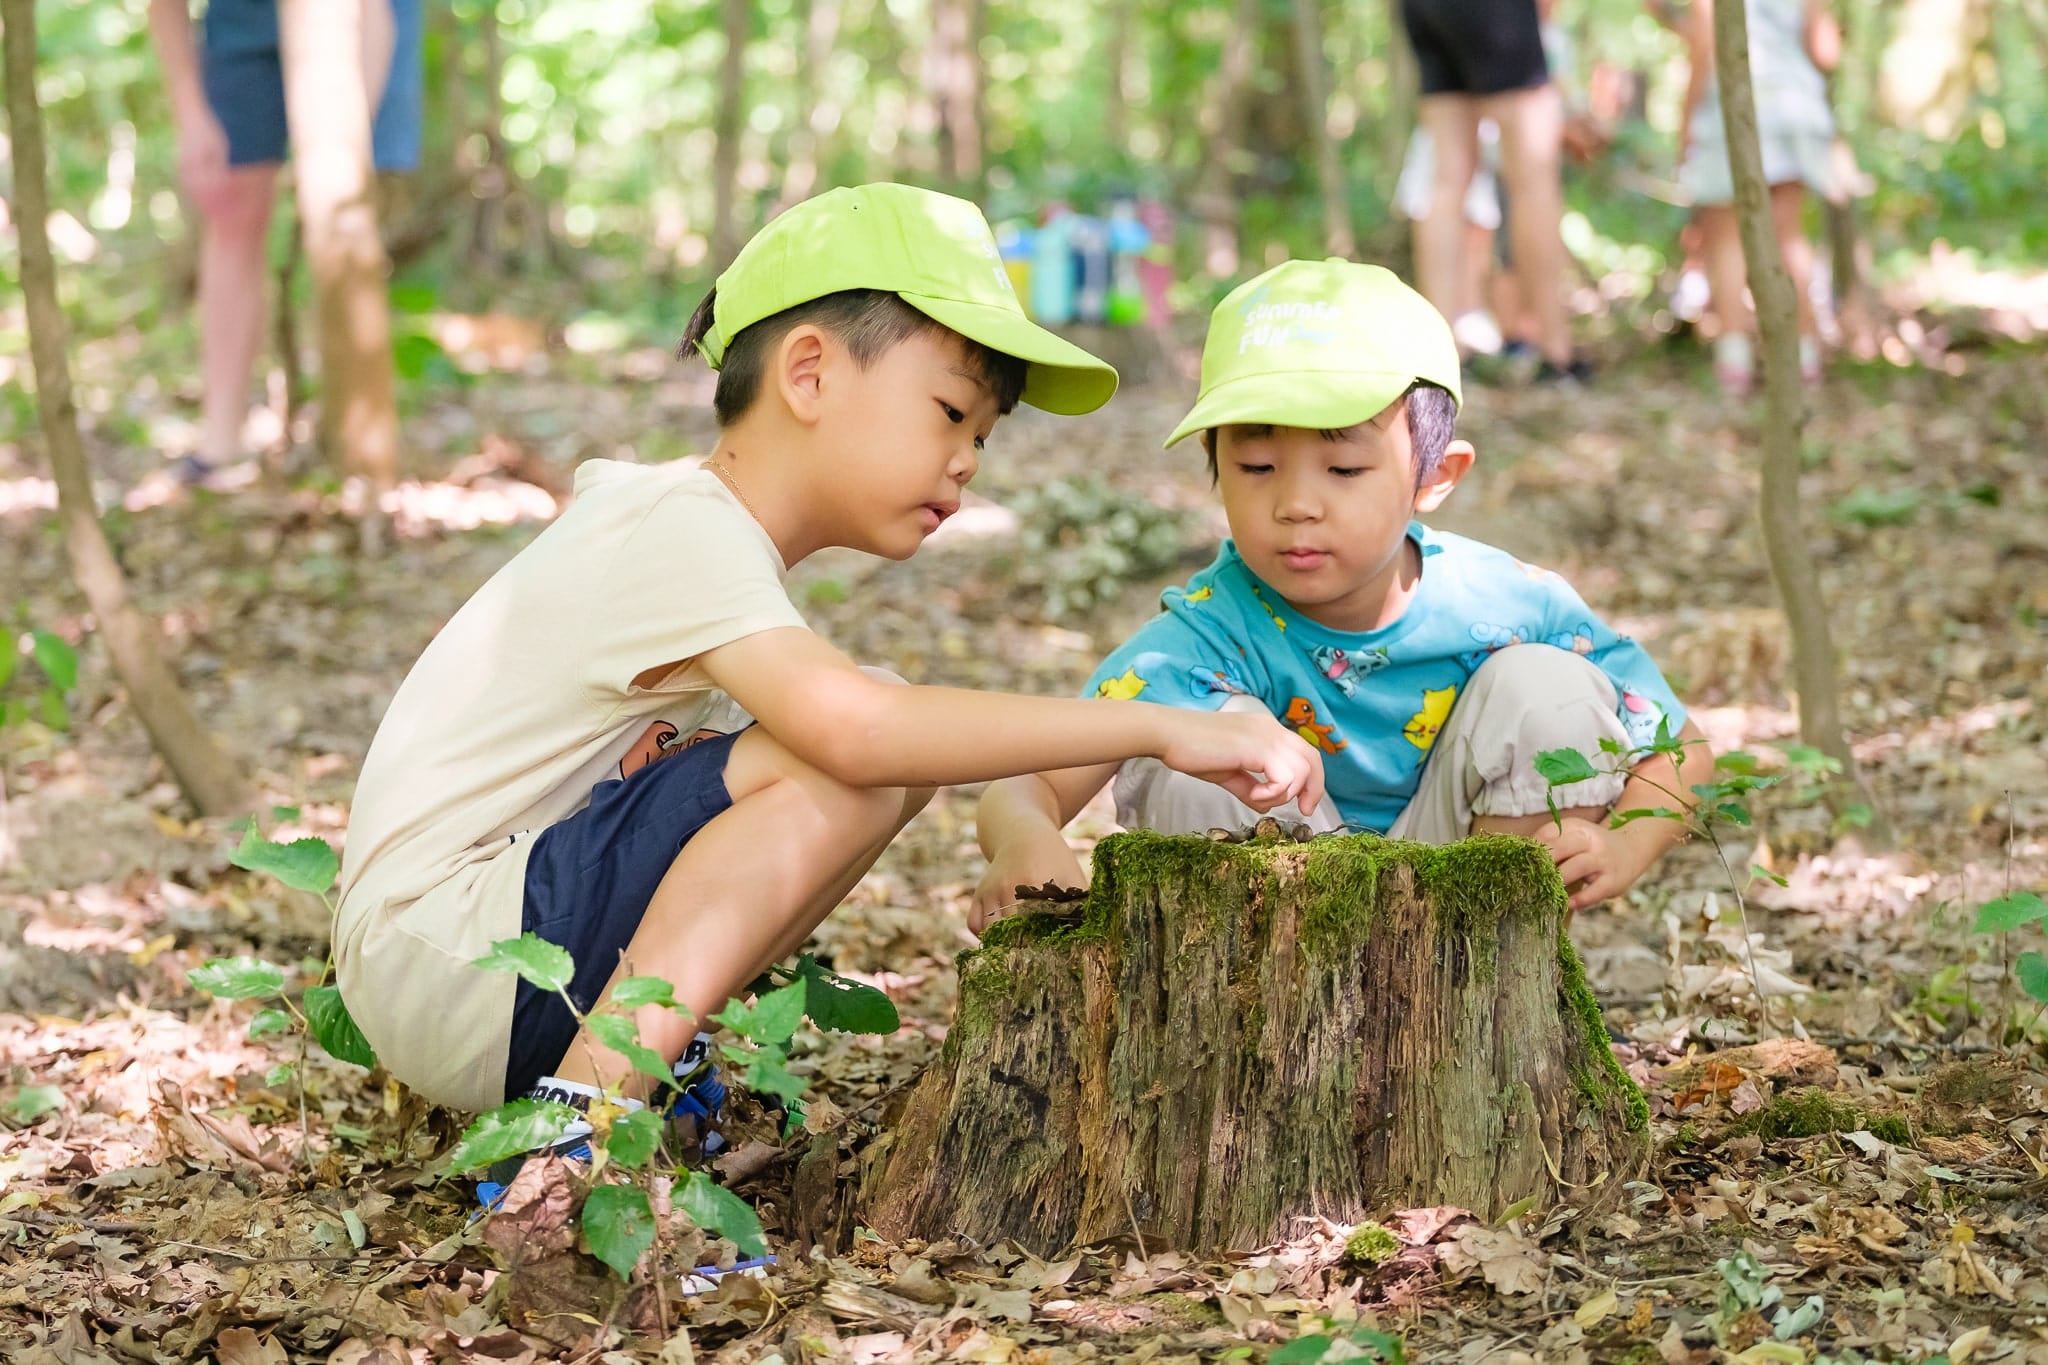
x=1581, y=866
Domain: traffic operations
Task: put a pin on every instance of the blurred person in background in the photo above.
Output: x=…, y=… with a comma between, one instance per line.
x=1479, y=60
x=1792, y=45
x=226, y=90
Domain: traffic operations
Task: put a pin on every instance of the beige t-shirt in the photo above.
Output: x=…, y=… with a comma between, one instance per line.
x=523, y=701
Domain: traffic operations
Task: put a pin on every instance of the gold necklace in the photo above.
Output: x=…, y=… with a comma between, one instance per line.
x=725, y=477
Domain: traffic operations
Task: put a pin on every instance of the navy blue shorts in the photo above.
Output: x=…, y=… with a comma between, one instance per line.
x=588, y=882
x=243, y=74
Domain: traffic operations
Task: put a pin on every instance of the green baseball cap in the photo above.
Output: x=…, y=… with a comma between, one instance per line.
x=933, y=251
x=1323, y=344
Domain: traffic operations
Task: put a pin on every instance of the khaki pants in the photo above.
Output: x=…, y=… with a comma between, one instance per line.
x=1523, y=700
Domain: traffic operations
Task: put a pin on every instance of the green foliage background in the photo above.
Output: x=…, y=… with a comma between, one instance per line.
x=608, y=106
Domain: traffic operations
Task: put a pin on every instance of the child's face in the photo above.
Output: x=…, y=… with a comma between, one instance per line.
x=1324, y=519
x=907, y=431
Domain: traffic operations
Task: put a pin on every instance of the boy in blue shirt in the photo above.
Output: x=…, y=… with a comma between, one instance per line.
x=1428, y=669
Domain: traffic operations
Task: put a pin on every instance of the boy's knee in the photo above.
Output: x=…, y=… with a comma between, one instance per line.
x=1553, y=696
x=1527, y=699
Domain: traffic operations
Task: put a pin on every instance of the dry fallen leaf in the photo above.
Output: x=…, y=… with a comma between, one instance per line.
x=1511, y=1262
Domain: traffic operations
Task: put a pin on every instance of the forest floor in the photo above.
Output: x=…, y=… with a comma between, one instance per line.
x=161, y=1200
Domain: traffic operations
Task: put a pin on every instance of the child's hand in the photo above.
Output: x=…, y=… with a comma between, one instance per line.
x=1249, y=754
x=1021, y=864
x=1597, y=862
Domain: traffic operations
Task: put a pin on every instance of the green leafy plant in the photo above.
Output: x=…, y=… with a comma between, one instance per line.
x=618, y=1223
x=309, y=865
x=2019, y=912
x=1084, y=541
x=1746, y=1288
x=1716, y=805
x=38, y=692
x=1341, y=1341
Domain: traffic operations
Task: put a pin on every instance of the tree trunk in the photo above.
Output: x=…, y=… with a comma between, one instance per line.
x=1116, y=104
x=952, y=80
x=1331, y=181
x=202, y=770
x=1231, y=1035
x=1222, y=121
x=1777, y=322
x=328, y=107
x=1397, y=123
x=817, y=106
x=729, y=124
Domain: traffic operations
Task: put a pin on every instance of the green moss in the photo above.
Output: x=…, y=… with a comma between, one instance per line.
x=1471, y=884
x=1807, y=1111
x=1971, y=1083
x=1370, y=1244
x=1687, y=1139
x=1604, y=1077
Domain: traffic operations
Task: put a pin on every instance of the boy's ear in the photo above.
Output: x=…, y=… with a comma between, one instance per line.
x=1455, y=465
x=800, y=360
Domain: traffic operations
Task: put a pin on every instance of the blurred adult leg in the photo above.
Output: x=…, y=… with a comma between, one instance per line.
x=1453, y=124
x=1531, y=125
x=1788, y=213
x=234, y=229
x=1728, y=284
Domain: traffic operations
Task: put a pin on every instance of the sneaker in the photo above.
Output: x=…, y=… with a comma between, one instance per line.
x=572, y=1144
x=1575, y=374
x=699, y=1096
x=1735, y=364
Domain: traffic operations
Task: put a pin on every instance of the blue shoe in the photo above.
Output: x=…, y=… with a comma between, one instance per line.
x=699, y=1096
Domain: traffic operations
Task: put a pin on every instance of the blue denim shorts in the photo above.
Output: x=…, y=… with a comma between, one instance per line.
x=243, y=73
x=589, y=880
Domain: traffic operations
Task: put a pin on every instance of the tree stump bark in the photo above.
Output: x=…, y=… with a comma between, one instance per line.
x=1224, y=1036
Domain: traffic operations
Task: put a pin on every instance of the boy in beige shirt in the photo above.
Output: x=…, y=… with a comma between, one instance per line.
x=571, y=756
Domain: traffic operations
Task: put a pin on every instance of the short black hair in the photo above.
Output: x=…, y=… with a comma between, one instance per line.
x=867, y=321
x=1432, y=416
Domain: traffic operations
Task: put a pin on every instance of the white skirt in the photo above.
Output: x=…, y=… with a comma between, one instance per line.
x=1805, y=157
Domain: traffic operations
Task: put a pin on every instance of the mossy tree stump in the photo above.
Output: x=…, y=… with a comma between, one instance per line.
x=1228, y=1035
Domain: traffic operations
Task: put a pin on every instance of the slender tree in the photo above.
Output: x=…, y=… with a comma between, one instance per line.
x=1813, y=651
x=1315, y=94
x=728, y=125
x=1222, y=122
x=817, y=105
x=329, y=106
x=203, y=771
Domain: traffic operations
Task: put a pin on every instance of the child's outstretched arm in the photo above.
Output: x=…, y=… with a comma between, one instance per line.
x=867, y=733
x=1018, y=824
x=1599, y=862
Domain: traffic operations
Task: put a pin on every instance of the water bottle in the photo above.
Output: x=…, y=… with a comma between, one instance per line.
x=1052, y=271
x=1128, y=242
x=1091, y=258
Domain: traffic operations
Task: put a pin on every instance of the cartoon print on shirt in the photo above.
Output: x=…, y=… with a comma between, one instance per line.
x=1344, y=668
x=1537, y=574
x=1125, y=688
x=1201, y=594
x=1577, y=640
x=1301, y=714
x=1278, y=621
x=1204, y=681
x=1422, y=727
x=659, y=741
x=1640, y=717
x=1490, y=637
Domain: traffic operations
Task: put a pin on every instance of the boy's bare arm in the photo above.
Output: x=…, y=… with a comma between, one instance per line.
x=866, y=733
x=1018, y=824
